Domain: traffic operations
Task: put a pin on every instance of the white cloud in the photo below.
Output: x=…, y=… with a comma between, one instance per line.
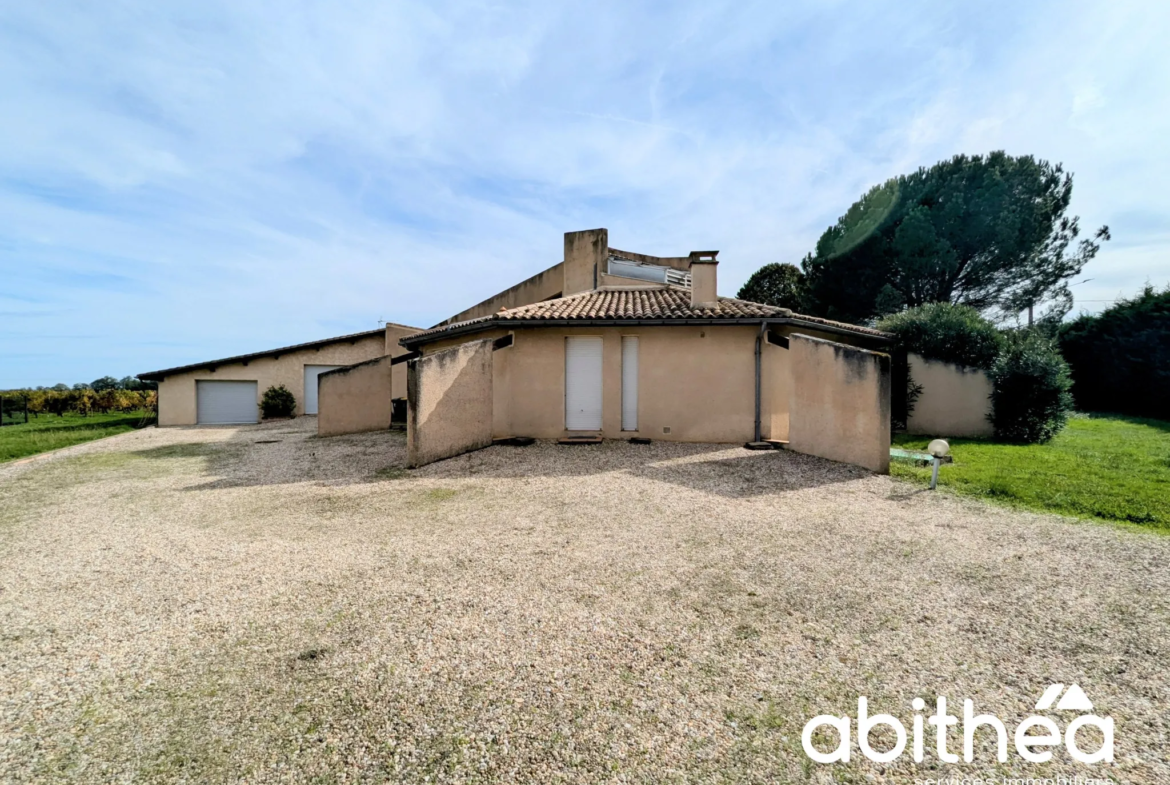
x=282, y=171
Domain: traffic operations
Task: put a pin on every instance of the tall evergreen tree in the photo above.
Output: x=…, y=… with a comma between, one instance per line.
x=774, y=284
x=989, y=232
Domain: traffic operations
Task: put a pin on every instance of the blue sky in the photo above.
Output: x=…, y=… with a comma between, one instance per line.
x=185, y=181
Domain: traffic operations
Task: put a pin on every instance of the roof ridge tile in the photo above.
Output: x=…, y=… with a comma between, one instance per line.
x=664, y=302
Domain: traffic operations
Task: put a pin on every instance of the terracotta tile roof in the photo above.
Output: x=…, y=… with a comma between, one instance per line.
x=663, y=303
x=639, y=303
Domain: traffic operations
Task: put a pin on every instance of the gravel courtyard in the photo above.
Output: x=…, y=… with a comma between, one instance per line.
x=257, y=604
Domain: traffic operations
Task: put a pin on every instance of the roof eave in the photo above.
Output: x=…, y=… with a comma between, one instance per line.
x=879, y=337
x=158, y=376
x=412, y=341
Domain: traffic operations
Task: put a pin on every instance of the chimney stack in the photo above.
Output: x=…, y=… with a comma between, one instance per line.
x=704, y=269
x=585, y=255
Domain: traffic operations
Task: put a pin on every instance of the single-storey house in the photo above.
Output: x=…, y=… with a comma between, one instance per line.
x=605, y=344
x=228, y=391
x=614, y=344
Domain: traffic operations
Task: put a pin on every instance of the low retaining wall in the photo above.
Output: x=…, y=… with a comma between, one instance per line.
x=840, y=403
x=955, y=400
x=354, y=399
x=449, y=402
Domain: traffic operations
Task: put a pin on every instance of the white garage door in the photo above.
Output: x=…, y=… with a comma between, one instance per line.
x=226, y=403
x=583, y=384
x=311, y=374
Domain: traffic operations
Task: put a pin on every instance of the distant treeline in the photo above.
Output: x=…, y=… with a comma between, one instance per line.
x=1120, y=359
x=104, y=395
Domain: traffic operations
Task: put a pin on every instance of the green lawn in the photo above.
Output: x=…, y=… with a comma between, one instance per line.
x=50, y=432
x=1100, y=466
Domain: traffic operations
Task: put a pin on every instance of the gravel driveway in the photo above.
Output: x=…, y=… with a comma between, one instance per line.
x=257, y=604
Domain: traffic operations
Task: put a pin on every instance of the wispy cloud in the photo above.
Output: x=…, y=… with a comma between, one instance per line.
x=191, y=180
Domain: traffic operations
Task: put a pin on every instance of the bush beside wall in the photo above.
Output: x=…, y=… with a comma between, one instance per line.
x=1030, y=380
x=955, y=334
x=947, y=333
x=278, y=401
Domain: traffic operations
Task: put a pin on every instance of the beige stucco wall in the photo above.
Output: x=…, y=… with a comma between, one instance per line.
x=777, y=379
x=775, y=390
x=840, y=406
x=545, y=285
x=176, y=394
x=698, y=381
x=450, y=402
x=356, y=398
x=955, y=401
x=584, y=266
x=704, y=281
x=394, y=333
x=586, y=253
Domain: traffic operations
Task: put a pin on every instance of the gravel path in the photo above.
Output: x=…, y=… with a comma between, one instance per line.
x=257, y=604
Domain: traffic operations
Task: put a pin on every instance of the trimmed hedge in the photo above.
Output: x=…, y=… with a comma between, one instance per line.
x=947, y=333
x=1030, y=394
x=1120, y=360
x=937, y=331
x=1030, y=380
x=278, y=401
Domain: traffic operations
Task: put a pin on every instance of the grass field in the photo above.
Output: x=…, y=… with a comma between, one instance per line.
x=50, y=432
x=1100, y=466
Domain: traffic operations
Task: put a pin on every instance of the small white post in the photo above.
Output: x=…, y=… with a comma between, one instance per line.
x=934, y=472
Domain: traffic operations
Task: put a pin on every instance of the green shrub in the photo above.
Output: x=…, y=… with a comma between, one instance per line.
x=937, y=331
x=1120, y=360
x=1030, y=394
x=278, y=401
x=946, y=333
x=904, y=391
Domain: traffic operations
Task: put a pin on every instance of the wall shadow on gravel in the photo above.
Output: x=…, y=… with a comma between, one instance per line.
x=721, y=469
x=287, y=452
x=751, y=476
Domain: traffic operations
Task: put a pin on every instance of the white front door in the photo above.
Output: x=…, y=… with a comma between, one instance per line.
x=582, y=384
x=629, y=383
x=226, y=403
x=311, y=374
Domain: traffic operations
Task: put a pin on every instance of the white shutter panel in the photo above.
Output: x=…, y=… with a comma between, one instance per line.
x=311, y=374
x=629, y=383
x=582, y=384
x=226, y=403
